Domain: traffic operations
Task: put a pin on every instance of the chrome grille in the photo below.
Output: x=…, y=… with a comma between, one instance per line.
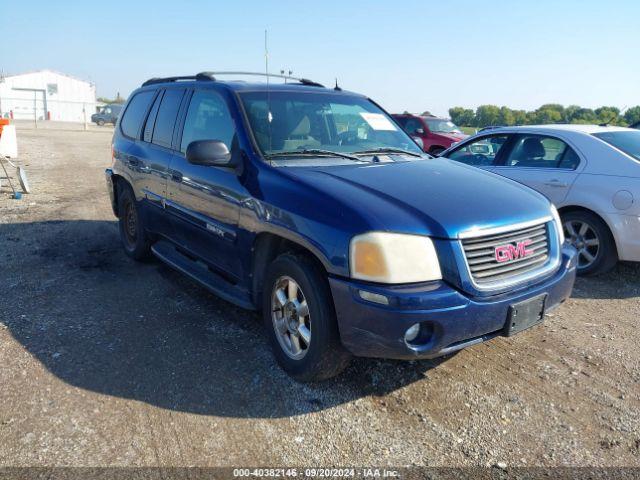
x=480, y=253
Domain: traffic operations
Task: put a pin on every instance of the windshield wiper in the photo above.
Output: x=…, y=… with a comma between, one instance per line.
x=388, y=150
x=314, y=151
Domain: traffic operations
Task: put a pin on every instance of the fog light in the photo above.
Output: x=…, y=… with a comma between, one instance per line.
x=412, y=333
x=373, y=297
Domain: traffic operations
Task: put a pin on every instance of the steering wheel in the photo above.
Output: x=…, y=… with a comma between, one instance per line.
x=479, y=159
x=347, y=138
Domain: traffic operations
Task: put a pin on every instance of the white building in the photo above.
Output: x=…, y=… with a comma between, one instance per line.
x=46, y=95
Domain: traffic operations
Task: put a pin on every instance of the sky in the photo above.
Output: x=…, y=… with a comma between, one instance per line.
x=406, y=55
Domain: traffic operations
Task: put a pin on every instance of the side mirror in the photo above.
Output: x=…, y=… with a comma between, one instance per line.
x=420, y=131
x=209, y=153
x=419, y=141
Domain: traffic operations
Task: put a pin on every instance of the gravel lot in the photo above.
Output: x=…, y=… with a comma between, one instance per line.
x=104, y=361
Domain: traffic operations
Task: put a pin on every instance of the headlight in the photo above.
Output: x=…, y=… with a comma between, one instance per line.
x=559, y=227
x=393, y=258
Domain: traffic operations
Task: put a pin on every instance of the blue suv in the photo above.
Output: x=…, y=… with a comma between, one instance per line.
x=313, y=206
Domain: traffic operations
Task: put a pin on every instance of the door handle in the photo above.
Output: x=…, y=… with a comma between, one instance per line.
x=176, y=176
x=133, y=161
x=556, y=183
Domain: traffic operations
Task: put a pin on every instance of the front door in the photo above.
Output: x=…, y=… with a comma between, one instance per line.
x=204, y=201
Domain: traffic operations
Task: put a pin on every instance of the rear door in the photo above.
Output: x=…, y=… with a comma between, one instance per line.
x=542, y=162
x=152, y=155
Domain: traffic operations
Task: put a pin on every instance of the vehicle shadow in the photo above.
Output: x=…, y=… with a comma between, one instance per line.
x=620, y=283
x=102, y=322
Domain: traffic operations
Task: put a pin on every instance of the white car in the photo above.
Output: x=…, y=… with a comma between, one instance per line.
x=591, y=173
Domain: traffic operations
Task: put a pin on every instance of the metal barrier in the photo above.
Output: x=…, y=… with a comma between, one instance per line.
x=39, y=112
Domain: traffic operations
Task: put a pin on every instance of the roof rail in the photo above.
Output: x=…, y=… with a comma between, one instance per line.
x=199, y=76
x=210, y=76
x=304, y=81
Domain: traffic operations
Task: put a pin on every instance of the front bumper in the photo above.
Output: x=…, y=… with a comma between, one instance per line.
x=455, y=320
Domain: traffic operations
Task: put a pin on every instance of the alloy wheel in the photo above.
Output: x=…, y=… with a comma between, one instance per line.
x=585, y=240
x=291, y=318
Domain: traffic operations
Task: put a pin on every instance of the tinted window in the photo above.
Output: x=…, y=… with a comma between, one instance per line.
x=412, y=125
x=536, y=151
x=208, y=118
x=166, y=119
x=151, y=120
x=134, y=115
x=569, y=160
x=626, y=140
x=401, y=120
x=481, y=153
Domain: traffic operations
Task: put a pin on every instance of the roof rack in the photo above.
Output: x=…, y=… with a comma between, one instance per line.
x=211, y=76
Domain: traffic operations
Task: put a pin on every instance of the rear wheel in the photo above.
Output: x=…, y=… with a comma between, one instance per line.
x=591, y=237
x=300, y=319
x=100, y=122
x=132, y=233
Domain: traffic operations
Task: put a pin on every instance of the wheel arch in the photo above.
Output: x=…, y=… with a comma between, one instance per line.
x=578, y=208
x=267, y=246
x=118, y=182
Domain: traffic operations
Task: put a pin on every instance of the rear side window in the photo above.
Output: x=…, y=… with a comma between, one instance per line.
x=166, y=119
x=135, y=112
x=151, y=120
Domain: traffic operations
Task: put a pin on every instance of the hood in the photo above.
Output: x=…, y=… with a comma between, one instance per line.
x=435, y=197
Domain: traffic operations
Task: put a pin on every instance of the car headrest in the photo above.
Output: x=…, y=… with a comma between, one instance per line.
x=303, y=128
x=533, y=148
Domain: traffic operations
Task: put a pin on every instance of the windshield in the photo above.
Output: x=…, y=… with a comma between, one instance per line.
x=442, y=126
x=626, y=140
x=299, y=122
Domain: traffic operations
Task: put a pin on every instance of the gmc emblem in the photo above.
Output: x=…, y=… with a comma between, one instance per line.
x=510, y=252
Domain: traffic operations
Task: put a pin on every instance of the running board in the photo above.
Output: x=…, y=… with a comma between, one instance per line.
x=213, y=282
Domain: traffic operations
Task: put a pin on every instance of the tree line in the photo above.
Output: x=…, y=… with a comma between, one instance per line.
x=488, y=115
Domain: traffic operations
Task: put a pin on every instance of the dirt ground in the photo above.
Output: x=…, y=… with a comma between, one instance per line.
x=104, y=361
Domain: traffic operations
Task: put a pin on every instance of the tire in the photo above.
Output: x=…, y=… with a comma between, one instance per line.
x=592, y=238
x=133, y=236
x=323, y=356
x=100, y=123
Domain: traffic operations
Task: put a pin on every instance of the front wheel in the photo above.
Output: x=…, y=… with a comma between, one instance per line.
x=591, y=237
x=100, y=123
x=300, y=319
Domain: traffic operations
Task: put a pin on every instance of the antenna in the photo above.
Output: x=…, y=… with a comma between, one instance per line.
x=337, y=87
x=266, y=71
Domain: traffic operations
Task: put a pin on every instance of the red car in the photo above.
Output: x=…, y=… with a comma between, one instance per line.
x=436, y=134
